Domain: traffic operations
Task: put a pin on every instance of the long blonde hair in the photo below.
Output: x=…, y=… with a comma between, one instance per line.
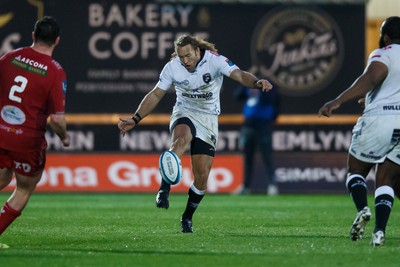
x=184, y=40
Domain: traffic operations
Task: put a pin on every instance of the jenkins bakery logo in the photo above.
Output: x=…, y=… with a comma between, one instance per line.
x=299, y=49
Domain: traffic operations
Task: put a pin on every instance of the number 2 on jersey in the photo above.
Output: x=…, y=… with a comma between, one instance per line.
x=15, y=89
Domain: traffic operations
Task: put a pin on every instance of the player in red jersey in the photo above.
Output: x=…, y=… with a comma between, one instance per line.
x=32, y=88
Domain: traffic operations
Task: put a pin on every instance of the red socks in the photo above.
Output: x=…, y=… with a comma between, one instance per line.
x=7, y=216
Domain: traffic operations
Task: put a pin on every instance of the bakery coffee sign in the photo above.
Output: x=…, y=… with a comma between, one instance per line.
x=299, y=49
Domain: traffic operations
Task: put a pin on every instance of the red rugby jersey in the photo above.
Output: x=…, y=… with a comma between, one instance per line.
x=32, y=86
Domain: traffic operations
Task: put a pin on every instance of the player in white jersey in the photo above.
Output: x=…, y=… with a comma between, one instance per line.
x=196, y=71
x=376, y=136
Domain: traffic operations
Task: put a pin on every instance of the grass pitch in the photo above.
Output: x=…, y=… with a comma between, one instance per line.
x=256, y=230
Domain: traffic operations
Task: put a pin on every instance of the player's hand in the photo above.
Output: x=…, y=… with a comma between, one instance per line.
x=125, y=125
x=264, y=85
x=67, y=140
x=328, y=107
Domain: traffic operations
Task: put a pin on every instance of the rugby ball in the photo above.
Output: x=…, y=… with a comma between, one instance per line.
x=170, y=167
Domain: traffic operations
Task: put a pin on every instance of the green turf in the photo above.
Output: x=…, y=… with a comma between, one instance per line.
x=127, y=230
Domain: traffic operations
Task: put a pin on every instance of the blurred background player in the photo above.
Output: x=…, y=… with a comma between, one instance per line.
x=260, y=112
x=376, y=136
x=32, y=88
x=197, y=72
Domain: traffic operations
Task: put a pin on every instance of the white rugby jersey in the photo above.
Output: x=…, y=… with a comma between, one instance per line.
x=198, y=90
x=385, y=99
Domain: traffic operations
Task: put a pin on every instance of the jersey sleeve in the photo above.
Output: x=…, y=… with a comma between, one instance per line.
x=57, y=94
x=223, y=64
x=380, y=55
x=165, y=81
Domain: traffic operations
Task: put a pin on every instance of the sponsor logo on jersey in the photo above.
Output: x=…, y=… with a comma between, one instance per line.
x=22, y=166
x=30, y=65
x=391, y=107
x=206, y=96
x=185, y=82
x=58, y=66
x=207, y=78
x=11, y=129
x=13, y=115
x=64, y=87
x=300, y=49
x=202, y=63
x=230, y=63
x=370, y=156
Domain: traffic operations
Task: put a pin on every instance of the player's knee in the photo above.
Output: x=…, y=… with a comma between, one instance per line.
x=27, y=183
x=354, y=179
x=180, y=144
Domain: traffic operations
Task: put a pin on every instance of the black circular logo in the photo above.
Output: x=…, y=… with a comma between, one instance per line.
x=299, y=49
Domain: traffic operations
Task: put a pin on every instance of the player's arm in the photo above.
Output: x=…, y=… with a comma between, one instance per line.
x=57, y=107
x=373, y=75
x=59, y=125
x=249, y=80
x=146, y=106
